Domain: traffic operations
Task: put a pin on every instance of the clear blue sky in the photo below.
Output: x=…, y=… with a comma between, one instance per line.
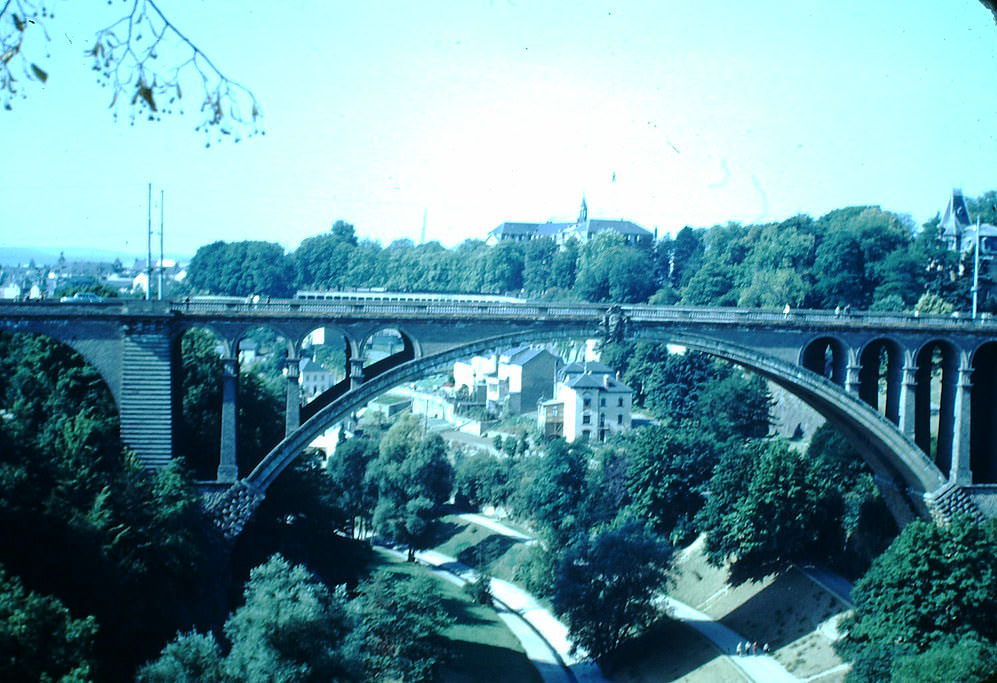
x=481, y=111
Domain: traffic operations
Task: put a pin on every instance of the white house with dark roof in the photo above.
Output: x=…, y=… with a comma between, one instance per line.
x=583, y=230
x=313, y=378
x=589, y=403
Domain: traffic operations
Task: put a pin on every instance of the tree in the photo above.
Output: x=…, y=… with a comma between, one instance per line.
x=188, y=658
x=967, y=658
x=145, y=61
x=606, y=584
x=39, y=639
x=242, y=269
x=667, y=469
x=933, y=582
x=552, y=496
x=291, y=627
x=353, y=492
x=69, y=496
x=482, y=479
x=326, y=261
x=401, y=625
x=769, y=506
x=839, y=272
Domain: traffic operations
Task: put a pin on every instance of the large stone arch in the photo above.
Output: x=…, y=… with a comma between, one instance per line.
x=903, y=471
x=98, y=343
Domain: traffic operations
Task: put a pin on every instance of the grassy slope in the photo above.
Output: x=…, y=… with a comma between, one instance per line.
x=484, y=649
x=790, y=612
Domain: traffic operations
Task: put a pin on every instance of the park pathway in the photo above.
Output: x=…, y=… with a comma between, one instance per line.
x=759, y=668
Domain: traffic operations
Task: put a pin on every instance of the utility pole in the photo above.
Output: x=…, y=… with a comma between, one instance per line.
x=148, y=261
x=976, y=270
x=161, y=264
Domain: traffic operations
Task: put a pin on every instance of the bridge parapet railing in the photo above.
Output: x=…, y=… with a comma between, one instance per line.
x=537, y=310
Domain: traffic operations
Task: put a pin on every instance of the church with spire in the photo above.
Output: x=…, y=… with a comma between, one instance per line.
x=583, y=229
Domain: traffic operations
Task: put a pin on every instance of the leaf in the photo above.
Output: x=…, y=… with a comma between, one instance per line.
x=39, y=73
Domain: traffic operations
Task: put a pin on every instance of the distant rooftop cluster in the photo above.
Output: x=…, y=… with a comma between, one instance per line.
x=33, y=281
x=583, y=229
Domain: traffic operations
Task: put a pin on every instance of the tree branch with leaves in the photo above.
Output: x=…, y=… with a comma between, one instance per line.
x=143, y=58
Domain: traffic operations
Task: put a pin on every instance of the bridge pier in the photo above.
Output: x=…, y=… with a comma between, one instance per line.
x=961, y=471
x=146, y=404
x=356, y=372
x=228, y=467
x=908, y=396
x=292, y=410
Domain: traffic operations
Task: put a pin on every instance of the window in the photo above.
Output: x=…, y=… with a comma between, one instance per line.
x=586, y=434
x=587, y=402
x=619, y=402
x=619, y=419
x=586, y=419
x=602, y=402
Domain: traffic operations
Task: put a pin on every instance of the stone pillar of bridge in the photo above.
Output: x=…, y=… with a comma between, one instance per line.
x=228, y=467
x=907, y=408
x=894, y=386
x=922, y=404
x=147, y=403
x=356, y=372
x=944, y=453
x=292, y=410
x=853, y=379
x=960, y=471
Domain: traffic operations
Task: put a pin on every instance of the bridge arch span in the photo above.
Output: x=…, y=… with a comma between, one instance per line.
x=409, y=340
x=827, y=356
x=904, y=473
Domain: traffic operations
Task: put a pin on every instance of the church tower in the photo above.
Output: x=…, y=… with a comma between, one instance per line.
x=583, y=213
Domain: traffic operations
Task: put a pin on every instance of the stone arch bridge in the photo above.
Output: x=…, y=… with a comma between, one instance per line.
x=915, y=394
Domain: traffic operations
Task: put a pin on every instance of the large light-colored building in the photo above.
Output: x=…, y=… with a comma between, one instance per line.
x=583, y=230
x=512, y=382
x=589, y=403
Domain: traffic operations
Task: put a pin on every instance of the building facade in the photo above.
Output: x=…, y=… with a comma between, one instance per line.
x=589, y=403
x=583, y=229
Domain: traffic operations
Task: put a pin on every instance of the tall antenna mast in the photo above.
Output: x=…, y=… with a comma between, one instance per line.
x=161, y=264
x=422, y=239
x=148, y=261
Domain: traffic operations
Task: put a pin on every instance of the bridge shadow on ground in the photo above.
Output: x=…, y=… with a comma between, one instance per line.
x=790, y=608
x=487, y=551
x=668, y=651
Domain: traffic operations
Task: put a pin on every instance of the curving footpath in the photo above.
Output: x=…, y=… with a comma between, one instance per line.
x=760, y=668
x=544, y=638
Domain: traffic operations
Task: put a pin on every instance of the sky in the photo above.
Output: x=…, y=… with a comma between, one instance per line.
x=467, y=114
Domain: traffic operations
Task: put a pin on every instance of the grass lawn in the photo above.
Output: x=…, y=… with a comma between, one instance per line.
x=484, y=649
x=671, y=651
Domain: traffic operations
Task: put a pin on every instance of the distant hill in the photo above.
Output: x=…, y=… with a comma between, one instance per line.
x=12, y=256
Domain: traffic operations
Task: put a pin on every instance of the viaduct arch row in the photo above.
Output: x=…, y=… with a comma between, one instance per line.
x=899, y=386
x=912, y=485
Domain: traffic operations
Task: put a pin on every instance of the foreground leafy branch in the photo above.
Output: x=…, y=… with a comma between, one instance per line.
x=143, y=58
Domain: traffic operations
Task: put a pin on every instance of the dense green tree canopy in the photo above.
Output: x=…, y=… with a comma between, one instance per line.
x=606, y=584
